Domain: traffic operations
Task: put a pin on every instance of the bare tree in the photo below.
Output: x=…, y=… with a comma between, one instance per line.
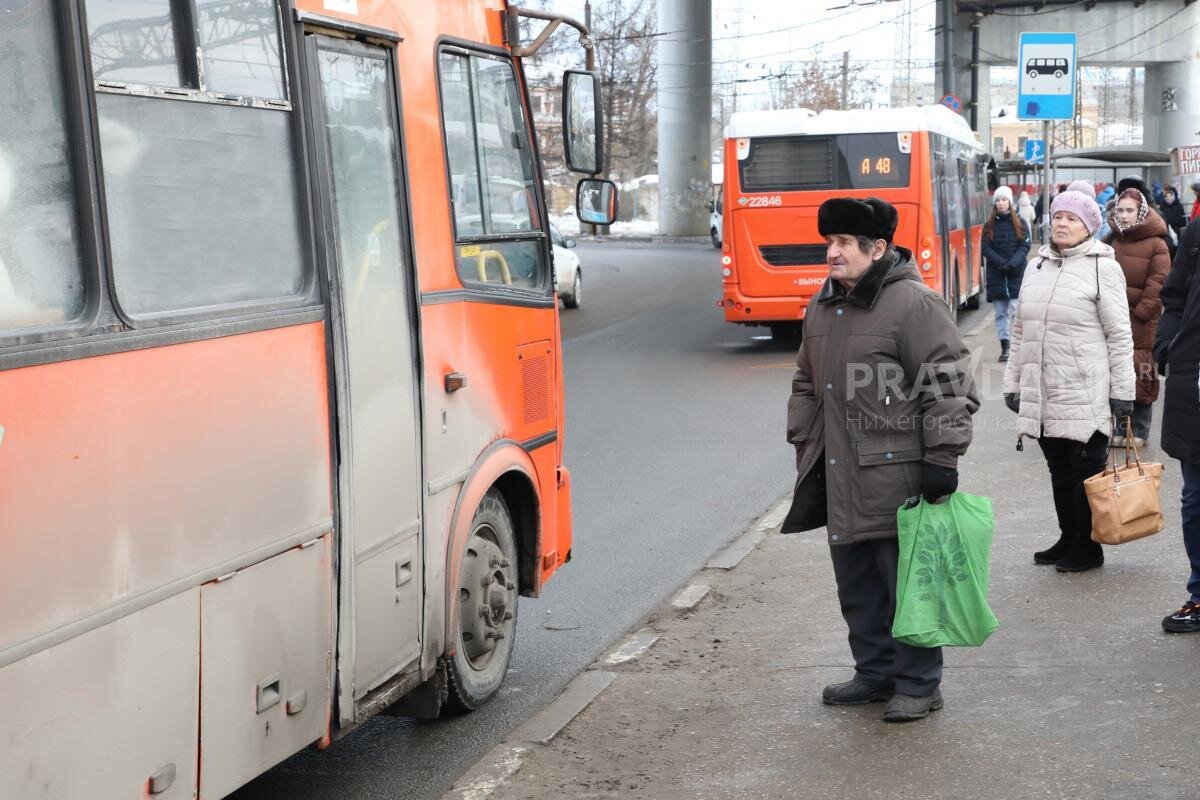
x=817, y=84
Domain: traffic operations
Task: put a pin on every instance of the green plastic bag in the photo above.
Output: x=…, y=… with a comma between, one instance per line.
x=942, y=577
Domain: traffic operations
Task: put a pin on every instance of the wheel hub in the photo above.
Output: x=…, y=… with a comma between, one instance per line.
x=485, y=598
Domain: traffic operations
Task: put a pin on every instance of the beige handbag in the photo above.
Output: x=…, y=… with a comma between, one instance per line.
x=1125, y=500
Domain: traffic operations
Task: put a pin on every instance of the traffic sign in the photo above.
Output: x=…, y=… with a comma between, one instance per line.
x=951, y=102
x=1046, y=85
x=1035, y=151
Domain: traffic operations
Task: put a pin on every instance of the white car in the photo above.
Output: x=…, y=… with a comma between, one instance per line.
x=567, y=273
x=715, y=220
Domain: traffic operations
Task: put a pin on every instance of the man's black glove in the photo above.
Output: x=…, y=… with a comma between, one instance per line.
x=937, y=482
x=1120, y=410
x=1013, y=401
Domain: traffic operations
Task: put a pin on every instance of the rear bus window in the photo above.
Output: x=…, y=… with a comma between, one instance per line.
x=846, y=161
x=41, y=262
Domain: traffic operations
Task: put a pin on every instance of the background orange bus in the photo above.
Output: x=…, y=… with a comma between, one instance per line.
x=781, y=165
x=280, y=382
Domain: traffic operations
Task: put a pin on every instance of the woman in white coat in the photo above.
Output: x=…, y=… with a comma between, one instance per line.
x=1071, y=366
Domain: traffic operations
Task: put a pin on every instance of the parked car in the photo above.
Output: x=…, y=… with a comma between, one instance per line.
x=568, y=275
x=714, y=216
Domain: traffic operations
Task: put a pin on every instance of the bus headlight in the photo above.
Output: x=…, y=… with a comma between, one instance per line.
x=927, y=266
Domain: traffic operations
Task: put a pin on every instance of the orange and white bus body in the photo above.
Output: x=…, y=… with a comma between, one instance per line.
x=781, y=165
x=279, y=349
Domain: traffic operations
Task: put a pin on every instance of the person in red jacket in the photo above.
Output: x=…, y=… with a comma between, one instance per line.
x=1195, y=200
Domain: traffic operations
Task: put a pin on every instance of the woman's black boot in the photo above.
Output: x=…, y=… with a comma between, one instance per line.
x=1052, y=553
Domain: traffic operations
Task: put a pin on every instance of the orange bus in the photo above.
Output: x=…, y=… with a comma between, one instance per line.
x=280, y=382
x=781, y=165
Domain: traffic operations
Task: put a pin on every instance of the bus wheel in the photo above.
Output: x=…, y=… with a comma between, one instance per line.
x=716, y=237
x=487, y=606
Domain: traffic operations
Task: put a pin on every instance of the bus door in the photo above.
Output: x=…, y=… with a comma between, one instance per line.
x=355, y=126
x=941, y=207
x=966, y=181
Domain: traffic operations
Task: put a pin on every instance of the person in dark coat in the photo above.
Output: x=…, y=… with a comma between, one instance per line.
x=1177, y=351
x=1172, y=211
x=880, y=412
x=1005, y=245
x=1137, y=240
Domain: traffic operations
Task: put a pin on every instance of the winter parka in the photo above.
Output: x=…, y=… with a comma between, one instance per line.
x=1177, y=351
x=1072, y=347
x=882, y=383
x=1142, y=253
x=1173, y=214
x=1005, y=255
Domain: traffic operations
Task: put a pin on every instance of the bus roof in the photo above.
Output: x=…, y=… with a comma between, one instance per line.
x=801, y=121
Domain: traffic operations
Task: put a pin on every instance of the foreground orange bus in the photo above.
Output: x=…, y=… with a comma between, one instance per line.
x=781, y=165
x=280, y=378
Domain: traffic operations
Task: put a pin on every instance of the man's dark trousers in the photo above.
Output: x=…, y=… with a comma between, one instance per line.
x=866, y=581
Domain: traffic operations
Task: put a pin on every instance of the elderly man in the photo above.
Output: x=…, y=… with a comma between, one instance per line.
x=880, y=411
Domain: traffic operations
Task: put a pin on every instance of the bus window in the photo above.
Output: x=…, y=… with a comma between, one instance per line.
x=41, y=264
x=847, y=161
x=177, y=241
x=118, y=32
x=491, y=173
x=246, y=64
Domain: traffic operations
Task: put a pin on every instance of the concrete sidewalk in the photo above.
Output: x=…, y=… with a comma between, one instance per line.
x=1079, y=694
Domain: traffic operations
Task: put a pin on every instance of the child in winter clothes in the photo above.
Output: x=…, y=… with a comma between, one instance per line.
x=1005, y=245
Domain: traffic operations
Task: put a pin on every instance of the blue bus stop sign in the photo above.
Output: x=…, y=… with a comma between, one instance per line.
x=1035, y=151
x=1046, y=84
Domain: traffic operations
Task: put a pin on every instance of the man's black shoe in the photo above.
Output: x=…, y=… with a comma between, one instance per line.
x=1185, y=620
x=906, y=708
x=856, y=692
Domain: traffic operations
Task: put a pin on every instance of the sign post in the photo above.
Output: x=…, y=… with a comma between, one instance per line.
x=1046, y=91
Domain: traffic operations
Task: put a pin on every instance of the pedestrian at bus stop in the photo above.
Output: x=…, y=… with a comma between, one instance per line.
x=1195, y=201
x=1025, y=212
x=1172, y=211
x=1177, y=351
x=880, y=412
x=1005, y=244
x=1138, y=240
x=1071, y=367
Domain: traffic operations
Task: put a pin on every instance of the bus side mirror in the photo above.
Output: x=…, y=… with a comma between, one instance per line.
x=583, y=128
x=596, y=202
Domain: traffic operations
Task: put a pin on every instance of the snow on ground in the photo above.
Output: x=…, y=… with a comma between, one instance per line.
x=568, y=224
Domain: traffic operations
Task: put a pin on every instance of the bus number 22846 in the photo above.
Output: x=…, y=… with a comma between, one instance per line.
x=765, y=201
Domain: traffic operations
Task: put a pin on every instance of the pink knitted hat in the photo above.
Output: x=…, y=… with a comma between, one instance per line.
x=1081, y=206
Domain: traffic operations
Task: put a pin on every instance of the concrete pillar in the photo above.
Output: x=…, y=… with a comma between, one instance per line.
x=1172, y=102
x=684, y=116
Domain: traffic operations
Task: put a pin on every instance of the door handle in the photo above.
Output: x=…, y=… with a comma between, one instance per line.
x=269, y=693
x=453, y=381
x=404, y=572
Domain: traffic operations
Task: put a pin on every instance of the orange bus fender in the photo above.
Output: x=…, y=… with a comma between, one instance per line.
x=500, y=458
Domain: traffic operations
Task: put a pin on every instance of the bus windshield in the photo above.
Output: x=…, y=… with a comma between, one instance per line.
x=844, y=161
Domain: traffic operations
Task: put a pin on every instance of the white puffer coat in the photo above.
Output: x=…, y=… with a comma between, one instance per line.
x=1072, y=346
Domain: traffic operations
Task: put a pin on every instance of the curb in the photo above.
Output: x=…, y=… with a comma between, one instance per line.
x=496, y=768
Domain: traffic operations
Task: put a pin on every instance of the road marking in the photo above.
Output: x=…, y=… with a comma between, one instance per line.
x=631, y=649
x=578, y=695
x=690, y=597
x=495, y=768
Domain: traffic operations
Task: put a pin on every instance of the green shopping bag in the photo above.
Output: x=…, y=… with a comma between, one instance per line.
x=942, y=577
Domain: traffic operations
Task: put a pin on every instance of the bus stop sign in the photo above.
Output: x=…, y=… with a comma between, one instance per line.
x=1046, y=84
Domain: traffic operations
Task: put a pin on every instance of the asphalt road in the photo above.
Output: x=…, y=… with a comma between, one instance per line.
x=674, y=437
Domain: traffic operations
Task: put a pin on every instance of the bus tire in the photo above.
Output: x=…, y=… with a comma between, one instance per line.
x=487, y=607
